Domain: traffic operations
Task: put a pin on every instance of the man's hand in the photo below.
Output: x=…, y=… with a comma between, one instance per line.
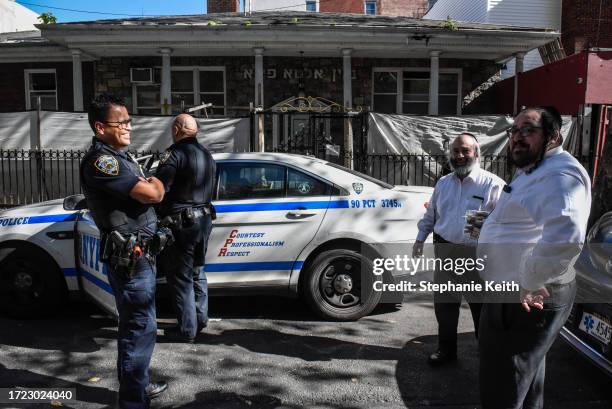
x=417, y=249
x=533, y=298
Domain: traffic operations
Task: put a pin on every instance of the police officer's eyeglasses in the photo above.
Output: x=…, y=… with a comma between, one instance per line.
x=119, y=124
x=523, y=131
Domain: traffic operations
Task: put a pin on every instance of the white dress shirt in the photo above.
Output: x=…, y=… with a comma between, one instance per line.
x=452, y=198
x=537, y=229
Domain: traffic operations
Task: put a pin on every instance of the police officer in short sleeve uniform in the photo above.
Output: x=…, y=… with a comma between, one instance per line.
x=187, y=171
x=119, y=197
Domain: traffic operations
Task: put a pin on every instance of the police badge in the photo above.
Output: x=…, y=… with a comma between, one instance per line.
x=358, y=187
x=107, y=164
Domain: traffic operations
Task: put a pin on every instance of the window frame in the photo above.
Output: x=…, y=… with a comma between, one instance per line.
x=400, y=84
x=316, y=4
x=365, y=7
x=26, y=73
x=330, y=185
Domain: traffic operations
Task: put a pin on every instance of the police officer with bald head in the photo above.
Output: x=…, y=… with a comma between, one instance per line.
x=187, y=171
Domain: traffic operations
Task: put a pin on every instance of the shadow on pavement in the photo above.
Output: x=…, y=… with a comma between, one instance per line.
x=12, y=378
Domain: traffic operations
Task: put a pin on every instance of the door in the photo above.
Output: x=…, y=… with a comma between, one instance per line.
x=266, y=214
x=93, y=275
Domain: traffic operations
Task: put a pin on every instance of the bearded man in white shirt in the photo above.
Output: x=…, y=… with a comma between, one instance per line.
x=467, y=188
x=531, y=238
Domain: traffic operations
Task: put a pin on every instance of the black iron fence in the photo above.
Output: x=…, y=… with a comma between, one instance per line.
x=30, y=176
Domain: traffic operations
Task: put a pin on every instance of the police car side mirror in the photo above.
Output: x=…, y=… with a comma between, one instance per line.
x=75, y=202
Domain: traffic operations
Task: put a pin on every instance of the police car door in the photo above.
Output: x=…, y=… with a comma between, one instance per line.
x=92, y=272
x=266, y=214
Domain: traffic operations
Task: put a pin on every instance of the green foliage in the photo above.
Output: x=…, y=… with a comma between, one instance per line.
x=247, y=23
x=47, y=18
x=295, y=20
x=450, y=24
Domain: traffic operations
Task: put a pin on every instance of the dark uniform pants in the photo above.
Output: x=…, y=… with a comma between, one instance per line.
x=513, y=344
x=135, y=299
x=182, y=263
x=448, y=304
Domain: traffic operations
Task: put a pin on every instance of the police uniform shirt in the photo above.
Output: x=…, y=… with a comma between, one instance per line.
x=187, y=170
x=537, y=228
x=452, y=198
x=107, y=177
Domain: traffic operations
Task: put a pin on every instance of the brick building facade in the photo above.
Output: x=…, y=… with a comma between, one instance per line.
x=586, y=24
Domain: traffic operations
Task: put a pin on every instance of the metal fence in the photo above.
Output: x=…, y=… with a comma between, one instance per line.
x=30, y=176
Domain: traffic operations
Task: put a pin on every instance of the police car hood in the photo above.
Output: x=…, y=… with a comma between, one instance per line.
x=52, y=206
x=413, y=189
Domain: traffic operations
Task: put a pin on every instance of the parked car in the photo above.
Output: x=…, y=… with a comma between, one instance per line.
x=589, y=327
x=286, y=224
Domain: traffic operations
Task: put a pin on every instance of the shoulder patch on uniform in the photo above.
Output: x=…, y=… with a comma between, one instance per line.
x=107, y=164
x=164, y=156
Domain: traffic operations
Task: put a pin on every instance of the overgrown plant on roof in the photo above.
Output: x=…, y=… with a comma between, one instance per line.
x=450, y=24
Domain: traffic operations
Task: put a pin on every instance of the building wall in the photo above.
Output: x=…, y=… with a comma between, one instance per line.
x=15, y=17
x=12, y=84
x=223, y=6
x=407, y=8
x=281, y=5
x=469, y=10
x=344, y=6
x=586, y=23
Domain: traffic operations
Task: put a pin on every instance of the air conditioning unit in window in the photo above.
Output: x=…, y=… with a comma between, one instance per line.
x=141, y=75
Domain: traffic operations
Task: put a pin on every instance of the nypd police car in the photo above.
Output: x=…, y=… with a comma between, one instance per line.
x=286, y=224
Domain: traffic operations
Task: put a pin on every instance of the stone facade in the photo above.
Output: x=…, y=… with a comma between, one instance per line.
x=284, y=77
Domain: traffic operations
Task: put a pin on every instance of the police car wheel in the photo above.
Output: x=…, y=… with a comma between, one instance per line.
x=334, y=282
x=31, y=285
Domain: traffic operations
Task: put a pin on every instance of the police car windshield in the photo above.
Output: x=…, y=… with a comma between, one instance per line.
x=361, y=175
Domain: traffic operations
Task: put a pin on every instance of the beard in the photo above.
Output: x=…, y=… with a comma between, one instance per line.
x=463, y=169
x=525, y=157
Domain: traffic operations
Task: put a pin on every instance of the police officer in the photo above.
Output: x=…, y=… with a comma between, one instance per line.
x=187, y=171
x=120, y=199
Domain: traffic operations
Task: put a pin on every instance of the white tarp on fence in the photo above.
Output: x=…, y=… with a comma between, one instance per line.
x=429, y=135
x=69, y=130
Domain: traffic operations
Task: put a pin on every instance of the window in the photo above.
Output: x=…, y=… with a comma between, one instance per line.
x=192, y=86
x=385, y=92
x=250, y=181
x=448, y=94
x=370, y=7
x=301, y=184
x=406, y=91
x=41, y=83
x=147, y=97
x=415, y=98
x=311, y=5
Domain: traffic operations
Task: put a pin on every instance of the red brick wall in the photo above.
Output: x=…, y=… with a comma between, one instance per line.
x=583, y=25
x=407, y=8
x=223, y=6
x=342, y=6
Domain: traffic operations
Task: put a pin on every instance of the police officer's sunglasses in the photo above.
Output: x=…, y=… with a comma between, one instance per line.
x=119, y=124
x=523, y=131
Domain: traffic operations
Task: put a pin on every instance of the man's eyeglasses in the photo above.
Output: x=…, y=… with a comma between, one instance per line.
x=523, y=131
x=119, y=124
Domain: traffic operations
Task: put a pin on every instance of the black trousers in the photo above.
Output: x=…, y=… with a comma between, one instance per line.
x=183, y=265
x=513, y=344
x=448, y=305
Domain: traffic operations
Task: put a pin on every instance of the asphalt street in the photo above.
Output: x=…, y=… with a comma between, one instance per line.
x=267, y=352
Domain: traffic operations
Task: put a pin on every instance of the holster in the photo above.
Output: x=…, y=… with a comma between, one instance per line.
x=120, y=252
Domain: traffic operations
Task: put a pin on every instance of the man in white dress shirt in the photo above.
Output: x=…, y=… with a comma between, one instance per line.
x=468, y=187
x=532, y=238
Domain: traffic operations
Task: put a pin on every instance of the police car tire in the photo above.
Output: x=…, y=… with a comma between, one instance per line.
x=50, y=285
x=312, y=291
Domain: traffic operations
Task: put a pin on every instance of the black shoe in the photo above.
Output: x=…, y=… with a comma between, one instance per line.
x=441, y=357
x=154, y=389
x=201, y=327
x=175, y=335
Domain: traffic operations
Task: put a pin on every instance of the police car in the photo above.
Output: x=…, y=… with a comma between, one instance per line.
x=286, y=224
